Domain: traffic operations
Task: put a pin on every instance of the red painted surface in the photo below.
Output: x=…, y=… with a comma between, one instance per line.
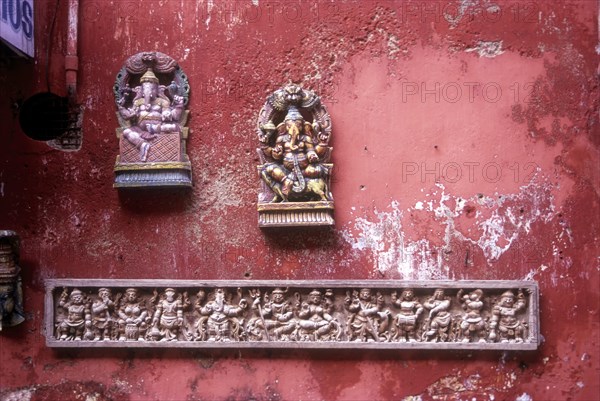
x=497, y=181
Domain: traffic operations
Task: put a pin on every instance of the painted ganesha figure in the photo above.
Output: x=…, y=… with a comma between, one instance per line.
x=151, y=113
x=151, y=94
x=296, y=171
x=294, y=129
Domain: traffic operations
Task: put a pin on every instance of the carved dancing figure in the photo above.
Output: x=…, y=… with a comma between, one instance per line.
x=78, y=317
x=152, y=113
x=504, y=324
x=133, y=317
x=472, y=326
x=316, y=322
x=222, y=319
x=168, y=317
x=367, y=322
x=439, y=319
x=276, y=316
x=406, y=320
x=102, y=315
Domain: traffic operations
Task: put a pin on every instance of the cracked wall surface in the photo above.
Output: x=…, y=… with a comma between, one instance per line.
x=466, y=146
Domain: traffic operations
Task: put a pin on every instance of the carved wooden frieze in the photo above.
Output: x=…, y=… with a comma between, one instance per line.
x=151, y=93
x=486, y=315
x=294, y=129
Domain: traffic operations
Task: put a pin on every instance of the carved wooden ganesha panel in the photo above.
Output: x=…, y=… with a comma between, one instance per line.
x=500, y=315
x=151, y=93
x=294, y=130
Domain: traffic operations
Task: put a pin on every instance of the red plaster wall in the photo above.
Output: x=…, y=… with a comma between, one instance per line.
x=466, y=146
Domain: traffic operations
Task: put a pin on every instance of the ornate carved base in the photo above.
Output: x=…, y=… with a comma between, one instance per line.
x=458, y=315
x=166, y=174
x=295, y=214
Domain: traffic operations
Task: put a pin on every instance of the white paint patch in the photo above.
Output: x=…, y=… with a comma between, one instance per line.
x=454, y=19
x=489, y=49
x=255, y=3
x=524, y=397
x=500, y=222
x=92, y=397
x=502, y=228
x=19, y=395
x=531, y=275
x=209, y=7
x=385, y=240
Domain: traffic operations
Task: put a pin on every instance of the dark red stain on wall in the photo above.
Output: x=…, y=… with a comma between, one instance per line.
x=466, y=146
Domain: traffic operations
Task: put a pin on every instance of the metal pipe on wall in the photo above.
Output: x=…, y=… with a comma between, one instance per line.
x=72, y=59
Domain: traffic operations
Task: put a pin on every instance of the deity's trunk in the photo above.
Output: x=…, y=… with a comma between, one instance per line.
x=220, y=302
x=294, y=133
x=148, y=98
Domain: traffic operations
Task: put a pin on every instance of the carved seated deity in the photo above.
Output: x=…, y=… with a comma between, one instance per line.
x=294, y=130
x=133, y=317
x=316, y=322
x=439, y=319
x=151, y=92
x=472, y=325
x=405, y=321
x=296, y=171
x=275, y=317
x=151, y=114
x=78, y=317
x=367, y=321
x=504, y=323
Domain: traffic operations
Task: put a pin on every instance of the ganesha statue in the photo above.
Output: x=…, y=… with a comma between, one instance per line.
x=151, y=94
x=294, y=129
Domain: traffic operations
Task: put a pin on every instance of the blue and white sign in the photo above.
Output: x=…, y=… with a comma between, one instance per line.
x=16, y=25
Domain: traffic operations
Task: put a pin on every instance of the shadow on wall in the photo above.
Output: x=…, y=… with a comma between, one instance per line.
x=150, y=201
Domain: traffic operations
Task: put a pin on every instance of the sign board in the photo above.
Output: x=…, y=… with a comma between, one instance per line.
x=16, y=25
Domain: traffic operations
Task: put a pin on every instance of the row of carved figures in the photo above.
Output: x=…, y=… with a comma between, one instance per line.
x=282, y=315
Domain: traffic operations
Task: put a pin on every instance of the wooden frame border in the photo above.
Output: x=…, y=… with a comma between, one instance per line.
x=54, y=286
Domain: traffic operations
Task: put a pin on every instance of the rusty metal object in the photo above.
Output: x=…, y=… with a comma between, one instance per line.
x=293, y=314
x=151, y=93
x=294, y=129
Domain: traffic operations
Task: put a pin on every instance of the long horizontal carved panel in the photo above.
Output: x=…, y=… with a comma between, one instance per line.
x=484, y=315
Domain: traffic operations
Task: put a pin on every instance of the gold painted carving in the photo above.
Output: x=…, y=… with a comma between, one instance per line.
x=294, y=130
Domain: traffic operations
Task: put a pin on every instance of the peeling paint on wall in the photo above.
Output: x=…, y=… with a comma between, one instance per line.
x=390, y=250
x=498, y=222
x=489, y=49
